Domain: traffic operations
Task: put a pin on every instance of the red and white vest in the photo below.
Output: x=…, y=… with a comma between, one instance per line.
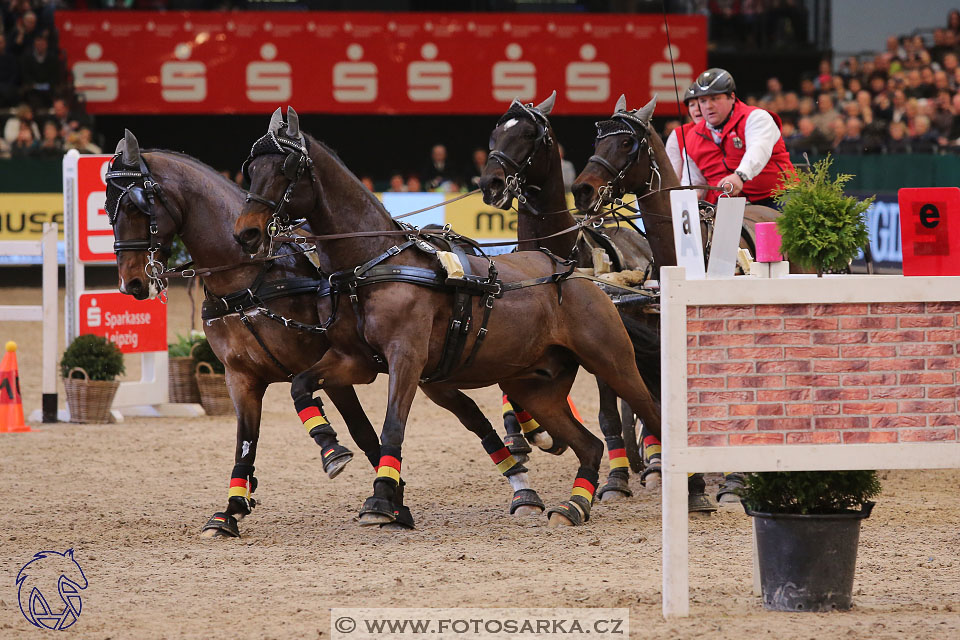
x=717, y=161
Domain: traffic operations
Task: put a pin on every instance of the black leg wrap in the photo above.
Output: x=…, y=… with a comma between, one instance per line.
x=380, y=506
x=334, y=456
x=526, y=498
x=697, y=499
x=237, y=504
x=652, y=466
x=569, y=511
x=730, y=487
x=223, y=522
x=618, y=482
x=514, y=470
x=404, y=518
x=518, y=446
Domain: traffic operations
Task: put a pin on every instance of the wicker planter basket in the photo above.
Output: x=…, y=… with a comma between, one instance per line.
x=213, y=391
x=182, y=381
x=89, y=400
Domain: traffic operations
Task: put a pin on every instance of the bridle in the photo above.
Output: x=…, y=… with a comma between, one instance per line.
x=143, y=190
x=516, y=180
x=624, y=122
x=297, y=162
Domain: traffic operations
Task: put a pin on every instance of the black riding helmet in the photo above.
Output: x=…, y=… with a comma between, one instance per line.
x=690, y=93
x=712, y=82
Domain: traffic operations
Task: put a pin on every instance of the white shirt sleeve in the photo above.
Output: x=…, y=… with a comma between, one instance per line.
x=761, y=133
x=673, y=152
x=695, y=175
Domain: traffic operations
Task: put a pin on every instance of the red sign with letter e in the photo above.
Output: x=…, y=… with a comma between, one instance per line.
x=929, y=226
x=94, y=233
x=136, y=326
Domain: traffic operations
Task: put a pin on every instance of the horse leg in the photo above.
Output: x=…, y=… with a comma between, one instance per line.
x=525, y=500
x=405, y=366
x=533, y=431
x=547, y=402
x=361, y=430
x=516, y=443
x=334, y=456
x=247, y=395
x=652, y=467
x=618, y=480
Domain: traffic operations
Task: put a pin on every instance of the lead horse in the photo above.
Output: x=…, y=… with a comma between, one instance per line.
x=263, y=319
x=537, y=325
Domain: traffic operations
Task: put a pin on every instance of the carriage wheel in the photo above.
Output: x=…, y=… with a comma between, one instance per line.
x=630, y=424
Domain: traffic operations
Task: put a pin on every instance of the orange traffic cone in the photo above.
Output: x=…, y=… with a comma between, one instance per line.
x=11, y=405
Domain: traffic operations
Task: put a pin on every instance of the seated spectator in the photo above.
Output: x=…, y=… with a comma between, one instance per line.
x=877, y=83
x=923, y=140
x=4, y=149
x=826, y=114
x=40, y=73
x=69, y=121
x=852, y=141
x=23, y=116
x=774, y=90
x=883, y=108
x=438, y=171
x=367, y=182
x=413, y=184
x=791, y=107
x=479, y=160
x=838, y=130
x=9, y=76
x=396, y=184
x=567, y=169
x=809, y=139
x=942, y=118
x=864, y=102
x=82, y=141
x=24, y=144
x=898, y=105
x=20, y=38
x=51, y=144
x=897, y=141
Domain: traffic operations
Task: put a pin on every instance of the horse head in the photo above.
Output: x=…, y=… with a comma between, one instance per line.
x=144, y=221
x=623, y=159
x=522, y=146
x=275, y=168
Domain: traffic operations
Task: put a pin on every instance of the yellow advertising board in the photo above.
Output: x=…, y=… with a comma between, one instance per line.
x=471, y=217
x=22, y=214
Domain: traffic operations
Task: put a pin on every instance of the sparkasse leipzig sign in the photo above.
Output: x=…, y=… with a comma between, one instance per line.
x=355, y=63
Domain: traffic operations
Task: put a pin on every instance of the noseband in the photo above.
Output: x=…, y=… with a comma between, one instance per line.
x=516, y=180
x=624, y=123
x=297, y=162
x=143, y=190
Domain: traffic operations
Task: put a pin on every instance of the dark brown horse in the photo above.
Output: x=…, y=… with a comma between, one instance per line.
x=191, y=200
x=629, y=157
x=532, y=344
x=524, y=166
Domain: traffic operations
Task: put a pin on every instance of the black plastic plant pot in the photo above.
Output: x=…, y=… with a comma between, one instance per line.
x=807, y=562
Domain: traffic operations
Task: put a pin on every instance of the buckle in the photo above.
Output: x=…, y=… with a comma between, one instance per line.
x=189, y=273
x=394, y=250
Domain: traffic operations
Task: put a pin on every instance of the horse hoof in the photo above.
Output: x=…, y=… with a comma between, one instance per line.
x=213, y=533
x=700, y=503
x=336, y=460
x=612, y=495
x=653, y=481
x=372, y=519
x=729, y=500
x=394, y=526
x=527, y=510
x=559, y=520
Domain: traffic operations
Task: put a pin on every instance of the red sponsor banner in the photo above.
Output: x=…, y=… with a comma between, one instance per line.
x=391, y=63
x=94, y=233
x=929, y=227
x=136, y=326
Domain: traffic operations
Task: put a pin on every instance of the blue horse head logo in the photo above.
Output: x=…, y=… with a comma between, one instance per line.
x=47, y=574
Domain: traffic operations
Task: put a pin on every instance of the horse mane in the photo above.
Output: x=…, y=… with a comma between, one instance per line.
x=197, y=164
x=350, y=174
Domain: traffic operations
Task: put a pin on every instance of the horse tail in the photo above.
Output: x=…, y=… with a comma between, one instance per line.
x=646, y=349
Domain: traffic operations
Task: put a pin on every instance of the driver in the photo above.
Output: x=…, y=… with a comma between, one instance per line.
x=735, y=144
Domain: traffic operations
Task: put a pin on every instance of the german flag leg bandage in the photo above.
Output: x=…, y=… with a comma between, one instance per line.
x=528, y=425
x=501, y=456
x=242, y=485
x=618, y=456
x=334, y=456
x=389, y=468
x=651, y=449
x=510, y=422
x=577, y=508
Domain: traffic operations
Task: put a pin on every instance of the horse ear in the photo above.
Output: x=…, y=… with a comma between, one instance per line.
x=293, y=123
x=546, y=106
x=647, y=112
x=621, y=104
x=276, y=121
x=131, y=153
x=121, y=147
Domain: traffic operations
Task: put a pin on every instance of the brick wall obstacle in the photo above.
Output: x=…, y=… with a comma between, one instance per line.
x=802, y=374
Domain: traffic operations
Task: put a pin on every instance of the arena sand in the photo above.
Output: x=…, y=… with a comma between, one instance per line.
x=130, y=499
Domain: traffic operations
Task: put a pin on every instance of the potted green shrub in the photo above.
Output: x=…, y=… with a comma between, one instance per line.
x=89, y=368
x=211, y=380
x=181, y=376
x=821, y=228
x=807, y=525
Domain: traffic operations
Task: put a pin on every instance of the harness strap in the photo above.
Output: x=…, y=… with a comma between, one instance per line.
x=248, y=323
x=219, y=306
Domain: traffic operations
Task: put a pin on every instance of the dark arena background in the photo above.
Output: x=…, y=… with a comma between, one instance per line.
x=407, y=93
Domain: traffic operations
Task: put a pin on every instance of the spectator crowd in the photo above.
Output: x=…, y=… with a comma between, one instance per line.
x=904, y=99
x=41, y=114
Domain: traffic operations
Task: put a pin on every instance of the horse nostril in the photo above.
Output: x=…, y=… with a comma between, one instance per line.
x=581, y=191
x=135, y=286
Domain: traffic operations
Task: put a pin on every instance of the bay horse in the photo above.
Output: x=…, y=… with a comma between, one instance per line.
x=265, y=341
x=524, y=166
x=409, y=311
x=524, y=163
